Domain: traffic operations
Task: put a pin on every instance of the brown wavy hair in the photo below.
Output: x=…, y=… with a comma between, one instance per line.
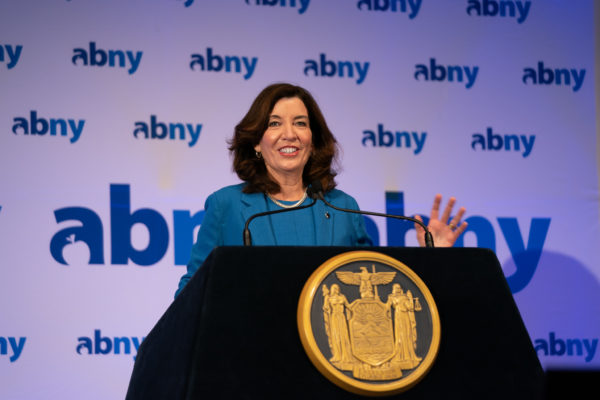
x=250, y=130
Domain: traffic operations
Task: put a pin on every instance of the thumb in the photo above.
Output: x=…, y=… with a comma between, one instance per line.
x=418, y=227
x=420, y=231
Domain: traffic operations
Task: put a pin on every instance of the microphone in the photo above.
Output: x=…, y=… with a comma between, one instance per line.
x=246, y=234
x=316, y=192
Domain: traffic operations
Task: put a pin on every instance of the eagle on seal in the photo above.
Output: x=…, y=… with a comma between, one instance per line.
x=365, y=280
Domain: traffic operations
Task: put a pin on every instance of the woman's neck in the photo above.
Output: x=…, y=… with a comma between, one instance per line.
x=290, y=191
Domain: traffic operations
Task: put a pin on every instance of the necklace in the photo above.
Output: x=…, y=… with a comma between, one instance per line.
x=296, y=204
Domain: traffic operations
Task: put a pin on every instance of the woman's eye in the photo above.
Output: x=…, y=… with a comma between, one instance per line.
x=301, y=123
x=273, y=124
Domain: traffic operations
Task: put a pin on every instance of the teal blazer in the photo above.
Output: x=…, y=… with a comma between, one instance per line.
x=227, y=210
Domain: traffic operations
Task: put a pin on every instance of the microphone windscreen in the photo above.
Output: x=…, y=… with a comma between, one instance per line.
x=314, y=188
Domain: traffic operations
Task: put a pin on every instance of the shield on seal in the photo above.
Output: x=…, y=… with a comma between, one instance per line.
x=371, y=332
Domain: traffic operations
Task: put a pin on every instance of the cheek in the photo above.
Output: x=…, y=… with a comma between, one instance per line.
x=311, y=145
x=308, y=139
x=267, y=141
x=263, y=145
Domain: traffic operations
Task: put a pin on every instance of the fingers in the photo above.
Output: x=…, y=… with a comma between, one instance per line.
x=418, y=227
x=460, y=229
x=435, y=209
x=448, y=209
x=456, y=220
x=420, y=231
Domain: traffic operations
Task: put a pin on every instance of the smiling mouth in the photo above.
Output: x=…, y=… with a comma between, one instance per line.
x=288, y=150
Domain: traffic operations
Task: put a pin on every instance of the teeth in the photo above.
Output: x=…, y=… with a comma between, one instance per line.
x=288, y=150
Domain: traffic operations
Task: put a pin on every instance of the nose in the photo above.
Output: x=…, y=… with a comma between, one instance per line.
x=288, y=131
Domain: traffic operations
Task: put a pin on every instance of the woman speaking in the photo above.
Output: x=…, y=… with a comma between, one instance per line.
x=282, y=145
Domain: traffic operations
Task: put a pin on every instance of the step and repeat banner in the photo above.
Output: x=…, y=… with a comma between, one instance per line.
x=114, y=120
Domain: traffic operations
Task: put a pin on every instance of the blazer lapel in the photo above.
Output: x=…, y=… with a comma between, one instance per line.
x=254, y=203
x=324, y=223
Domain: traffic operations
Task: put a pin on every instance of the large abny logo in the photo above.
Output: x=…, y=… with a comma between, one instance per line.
x=86, y=227
x=95, y=57
x=525, y=253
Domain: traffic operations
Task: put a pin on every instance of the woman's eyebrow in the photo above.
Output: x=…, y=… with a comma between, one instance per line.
x=296, y=117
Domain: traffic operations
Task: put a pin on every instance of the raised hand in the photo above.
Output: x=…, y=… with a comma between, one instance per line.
x=444, y=232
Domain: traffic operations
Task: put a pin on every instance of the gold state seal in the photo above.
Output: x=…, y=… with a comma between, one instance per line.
x=357, y=340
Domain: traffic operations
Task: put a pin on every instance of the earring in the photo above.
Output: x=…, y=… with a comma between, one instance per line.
x=258, y=155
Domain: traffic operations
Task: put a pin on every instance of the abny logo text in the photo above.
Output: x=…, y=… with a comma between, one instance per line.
x=12, y=347
x=86, y=227
x=95, y=57
x=169, y=131
x=411, y=7
x=228, y=63
x=398, y=139
x=499, y=8
x=10, y=55
x=301, y=4
x=436, y=72
x=542, y=75
x=342, y=69
x=57, y=127
x=99, y=344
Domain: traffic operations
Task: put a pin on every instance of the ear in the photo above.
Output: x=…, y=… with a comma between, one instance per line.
x=257, y=148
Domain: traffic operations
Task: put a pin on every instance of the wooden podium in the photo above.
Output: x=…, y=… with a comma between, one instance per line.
x=232, y=331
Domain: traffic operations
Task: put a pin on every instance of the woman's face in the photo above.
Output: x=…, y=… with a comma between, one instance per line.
x=287, y=143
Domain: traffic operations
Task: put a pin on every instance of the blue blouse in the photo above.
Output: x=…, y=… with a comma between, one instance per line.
x=292, y=228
